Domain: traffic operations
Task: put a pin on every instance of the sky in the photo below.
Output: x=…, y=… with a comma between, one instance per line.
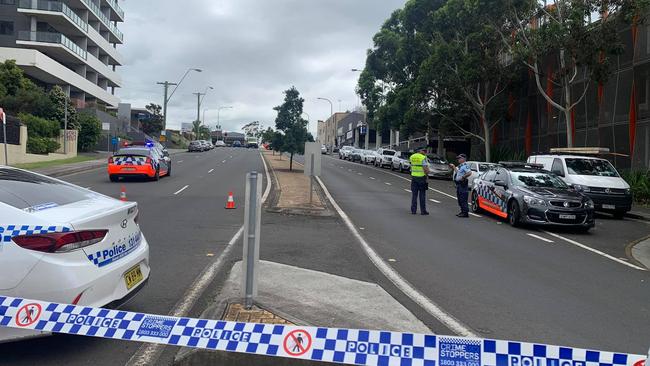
x=250, y=51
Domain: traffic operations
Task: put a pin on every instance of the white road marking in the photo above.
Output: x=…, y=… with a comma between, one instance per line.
x=540, y=238
x=180, y=161
x=210, y=171
x=427, y=304
x=181, y=190
x=432, y=200
x=408, y=190
x=593, y=250
x=475, y=215
x=373, y=178
x=148, y=354
x=360, y=173
x=388, y=184
x=223, y=161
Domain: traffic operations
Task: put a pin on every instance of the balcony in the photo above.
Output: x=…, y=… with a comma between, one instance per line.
x=116, y=9
x=113, y=78
x=48, y=40
x=97, y=12
x=53, y=11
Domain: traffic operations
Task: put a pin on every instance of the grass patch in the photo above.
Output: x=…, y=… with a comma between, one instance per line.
x=47, y=164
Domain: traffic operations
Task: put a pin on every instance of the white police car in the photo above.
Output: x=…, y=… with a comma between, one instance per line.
x=63, y=243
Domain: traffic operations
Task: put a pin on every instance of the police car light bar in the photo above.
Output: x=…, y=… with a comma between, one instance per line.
x=520, y=164
x=580, y=150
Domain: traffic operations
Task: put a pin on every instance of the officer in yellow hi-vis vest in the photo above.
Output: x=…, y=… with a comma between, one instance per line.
x=419, y=185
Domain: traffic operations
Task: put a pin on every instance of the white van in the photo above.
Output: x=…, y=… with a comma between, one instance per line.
x=594, y=177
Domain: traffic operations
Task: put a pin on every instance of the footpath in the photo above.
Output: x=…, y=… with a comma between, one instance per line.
x=312, y=273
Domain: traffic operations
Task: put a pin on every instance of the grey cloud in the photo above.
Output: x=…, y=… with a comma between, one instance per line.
x=250, y=50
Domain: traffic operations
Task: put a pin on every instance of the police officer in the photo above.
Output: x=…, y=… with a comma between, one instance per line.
x=419, y=185
x=461, y=174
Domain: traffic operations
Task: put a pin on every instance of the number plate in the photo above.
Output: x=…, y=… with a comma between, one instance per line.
x=609, y=207
x=128, y=169
x=133, y=276
x=568, y=217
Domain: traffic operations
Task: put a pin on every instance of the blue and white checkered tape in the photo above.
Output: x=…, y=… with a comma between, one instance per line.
x=9, y=231
x=346, y=346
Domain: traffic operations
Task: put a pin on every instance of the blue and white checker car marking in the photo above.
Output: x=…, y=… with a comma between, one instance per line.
x=130, y=160
x=486, y=192
x=118, y=250
x=9, y=231
x=347, y=346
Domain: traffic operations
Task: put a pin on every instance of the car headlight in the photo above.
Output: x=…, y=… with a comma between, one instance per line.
x=628, y=191
x=581, y=188
x=589, y=204
x=534, y=201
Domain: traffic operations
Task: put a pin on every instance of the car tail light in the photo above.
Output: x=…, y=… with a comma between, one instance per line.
x=110, y=160
x=60, y=242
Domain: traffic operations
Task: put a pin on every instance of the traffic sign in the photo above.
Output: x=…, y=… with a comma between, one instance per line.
x=297, y=342
x=28, y=314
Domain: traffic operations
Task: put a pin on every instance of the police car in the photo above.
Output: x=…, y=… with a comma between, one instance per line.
x=62, y=243
x=139, y=161
x=525, y=194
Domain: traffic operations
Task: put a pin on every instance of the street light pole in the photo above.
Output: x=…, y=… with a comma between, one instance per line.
x=167, y=98
x=333, y=122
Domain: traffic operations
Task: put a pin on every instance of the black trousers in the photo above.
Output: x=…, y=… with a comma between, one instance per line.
x=419, y=188
x=462, y=192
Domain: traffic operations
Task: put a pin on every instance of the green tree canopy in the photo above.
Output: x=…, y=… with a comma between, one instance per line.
x=291, y=123
x=154, y=124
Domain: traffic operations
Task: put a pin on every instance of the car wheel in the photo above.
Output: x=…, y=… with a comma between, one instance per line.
x=514, y=214
x=113, y=178
x=475, y=207
x=156, y=176
x=169, y=170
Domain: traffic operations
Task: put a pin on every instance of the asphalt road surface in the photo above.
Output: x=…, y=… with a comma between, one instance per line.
x=503, y=282
x=184, y=221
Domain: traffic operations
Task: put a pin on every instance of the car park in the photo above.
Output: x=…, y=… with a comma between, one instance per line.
x=439, y=167
x=478, y=168
x=384, y=157
x=66, y=244
x=595, y=177
x=526, y=194
x=401, y=161
x=368, y=157
x=138, y=162
x=344, y=152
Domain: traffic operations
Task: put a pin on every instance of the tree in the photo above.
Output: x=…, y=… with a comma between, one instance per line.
x=154, y=123
x=291, y=123
x=564, y=33
x=60, y=102
x=18, y=94
x=90, y=130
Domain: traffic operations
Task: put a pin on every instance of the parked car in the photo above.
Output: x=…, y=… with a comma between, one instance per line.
x=355, y=155
x=323, y=149
x=595, y=177
x=478, y=168
x=527, y=194
x=384, y=157
x=195, y=146
x=237, y=144
x=401, y=162
x=439, y=167
x=344, y=152
x=208, y=145
x=368, y=157
x=220, y=143
x=66, y=244
x=138, y=162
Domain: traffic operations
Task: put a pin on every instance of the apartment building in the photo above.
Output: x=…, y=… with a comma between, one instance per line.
x=71, y=43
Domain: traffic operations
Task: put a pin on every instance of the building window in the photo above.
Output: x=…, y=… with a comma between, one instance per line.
x=8, y=2
x=6, y=28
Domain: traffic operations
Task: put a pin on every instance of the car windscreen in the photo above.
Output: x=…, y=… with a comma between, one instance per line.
x=389, y=152
x=598, y=167
x=537, y=179
x=141, y=152
x=25, y=190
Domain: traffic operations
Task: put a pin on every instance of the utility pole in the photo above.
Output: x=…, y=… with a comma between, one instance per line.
x=198, y=105
x=166, y=85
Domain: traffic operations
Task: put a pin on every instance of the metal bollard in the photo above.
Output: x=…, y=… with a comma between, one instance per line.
x=252, y=217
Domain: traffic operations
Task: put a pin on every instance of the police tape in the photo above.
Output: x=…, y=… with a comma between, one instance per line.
x=347, y=346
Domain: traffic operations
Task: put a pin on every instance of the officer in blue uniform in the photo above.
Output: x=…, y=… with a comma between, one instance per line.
x=461, y=174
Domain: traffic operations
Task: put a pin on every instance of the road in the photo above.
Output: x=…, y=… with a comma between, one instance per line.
x=502, y=282
x=184, y=221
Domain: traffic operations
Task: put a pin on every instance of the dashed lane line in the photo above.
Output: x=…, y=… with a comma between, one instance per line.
x=473, y=214
x=210, y=171
x=434, y=201
x=388, y=184
x=540, y=238
x=180, y=190
x=408, y=190
x=373, y=178
x=223, y=161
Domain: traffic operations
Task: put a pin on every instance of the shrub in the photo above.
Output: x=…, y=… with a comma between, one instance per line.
x=89, y=131
x=639, y=182
x=39, y=127
x=41, y=145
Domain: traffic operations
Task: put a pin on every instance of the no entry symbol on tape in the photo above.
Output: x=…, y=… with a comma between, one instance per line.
x=297, y=342
x=28, y=314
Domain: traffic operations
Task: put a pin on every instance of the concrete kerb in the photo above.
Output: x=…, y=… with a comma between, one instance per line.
x=638, y=252
x=272, y=203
